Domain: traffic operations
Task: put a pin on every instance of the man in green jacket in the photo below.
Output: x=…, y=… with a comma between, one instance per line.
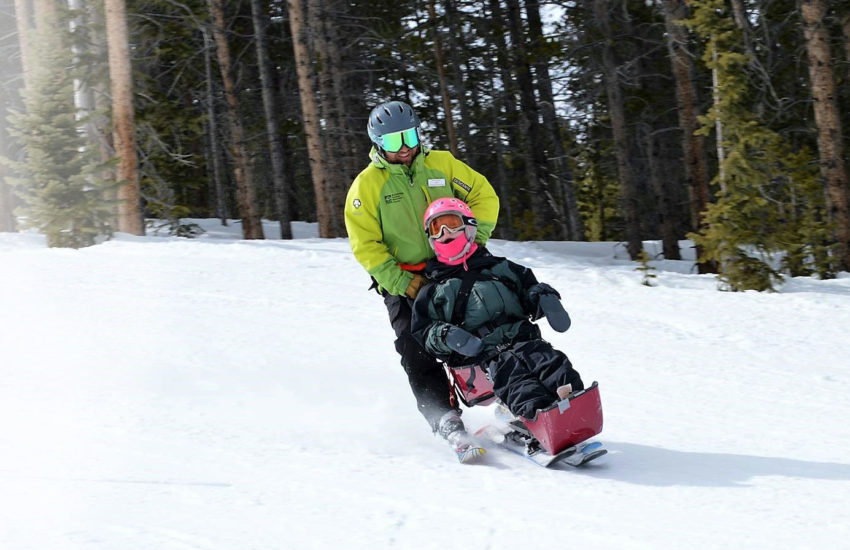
x=383, y=217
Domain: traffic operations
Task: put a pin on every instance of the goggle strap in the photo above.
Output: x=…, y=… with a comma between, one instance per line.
x=465, y=219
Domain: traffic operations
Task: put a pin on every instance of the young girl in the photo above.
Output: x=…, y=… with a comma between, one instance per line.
x=478, y=309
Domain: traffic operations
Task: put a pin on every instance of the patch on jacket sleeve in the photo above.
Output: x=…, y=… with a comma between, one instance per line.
x=461, y=184
x=439, y=182
x=356, y=203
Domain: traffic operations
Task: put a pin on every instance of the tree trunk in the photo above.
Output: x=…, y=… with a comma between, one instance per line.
x=331, y=139
x=739, y=15
x=287, y=91
x=666, y=209
x=252, y=227
x=542, y=201
x=696, y=165
x=498, y=109
x=441, y=78
x=573, y=228
x=102, y=119
x=718, y=119
x=616, y=111
x=828, y=122
x=765, y=82
x=218, y=190
x=272, y=126
x=508, y=93
x=7, y=218
x=845, y=32
x=46, y=21
x=310, y=116
x=124, y=128
x=456, y=64
x=83, y=94
x=347, y=137
x=99, y=95
x=23, y=20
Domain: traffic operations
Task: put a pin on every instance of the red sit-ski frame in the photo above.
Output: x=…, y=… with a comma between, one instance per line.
x=556, y=428
x=566, y=424
x=472, y=385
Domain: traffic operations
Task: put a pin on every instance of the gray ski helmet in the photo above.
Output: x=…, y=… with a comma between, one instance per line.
x=393, y=116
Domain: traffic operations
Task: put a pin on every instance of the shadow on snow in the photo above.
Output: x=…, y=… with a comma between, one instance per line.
x=645, y=465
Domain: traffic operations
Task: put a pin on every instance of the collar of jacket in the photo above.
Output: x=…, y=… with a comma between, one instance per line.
x=480, y=259
x=382, y=163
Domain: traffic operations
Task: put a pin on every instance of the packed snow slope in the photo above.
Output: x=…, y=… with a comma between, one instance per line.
x=219, y=394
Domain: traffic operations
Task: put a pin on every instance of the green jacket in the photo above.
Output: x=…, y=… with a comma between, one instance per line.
x=501, y=301
x=386, y=203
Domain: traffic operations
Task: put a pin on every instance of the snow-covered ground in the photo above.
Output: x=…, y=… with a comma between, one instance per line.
x=218, y=394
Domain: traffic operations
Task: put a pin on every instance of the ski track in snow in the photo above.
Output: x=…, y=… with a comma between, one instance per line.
x=162, y=393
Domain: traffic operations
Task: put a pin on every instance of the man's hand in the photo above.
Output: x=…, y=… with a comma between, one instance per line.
x=414, y=286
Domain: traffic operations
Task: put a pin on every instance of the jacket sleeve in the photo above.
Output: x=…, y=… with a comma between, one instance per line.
x=528, y=287
x=427, y=325
x=531, y=290
x=366, y=239
x=474, y=189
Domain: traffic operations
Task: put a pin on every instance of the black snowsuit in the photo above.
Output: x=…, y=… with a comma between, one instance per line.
x=425, y=374
x=494, y=299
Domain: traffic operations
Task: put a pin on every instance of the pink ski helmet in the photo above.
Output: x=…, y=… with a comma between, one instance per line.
x=451, y=229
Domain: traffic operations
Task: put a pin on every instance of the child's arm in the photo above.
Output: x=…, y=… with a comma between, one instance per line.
x=444, y=336
x=440, y=338
x=540, y=299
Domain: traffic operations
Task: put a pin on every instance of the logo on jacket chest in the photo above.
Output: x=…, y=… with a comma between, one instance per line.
x=393, y=198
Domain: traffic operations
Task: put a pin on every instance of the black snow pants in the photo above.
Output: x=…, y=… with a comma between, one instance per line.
x=427, y=378
x=526, y=376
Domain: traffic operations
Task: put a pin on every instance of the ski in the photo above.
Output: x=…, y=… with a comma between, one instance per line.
x=585, y=452
x=577, y=455
x=469, y=453
x=522, y=444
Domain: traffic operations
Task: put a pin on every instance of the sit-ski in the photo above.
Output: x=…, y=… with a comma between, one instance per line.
x=557, y=434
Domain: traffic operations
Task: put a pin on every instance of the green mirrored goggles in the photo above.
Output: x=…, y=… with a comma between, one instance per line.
x=392, y=143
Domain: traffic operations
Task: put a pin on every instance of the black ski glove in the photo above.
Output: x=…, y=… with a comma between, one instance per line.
x=547, y=302
x=555, y=313
x=461, y=341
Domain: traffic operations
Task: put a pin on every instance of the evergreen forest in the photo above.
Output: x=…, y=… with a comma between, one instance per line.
x=720, y=121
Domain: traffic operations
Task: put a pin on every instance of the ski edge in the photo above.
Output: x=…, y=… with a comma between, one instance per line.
x=577, y=455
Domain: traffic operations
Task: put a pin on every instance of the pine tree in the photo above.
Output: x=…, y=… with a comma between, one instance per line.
x=769, y=203
x=647, y=270
x=59, y=182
